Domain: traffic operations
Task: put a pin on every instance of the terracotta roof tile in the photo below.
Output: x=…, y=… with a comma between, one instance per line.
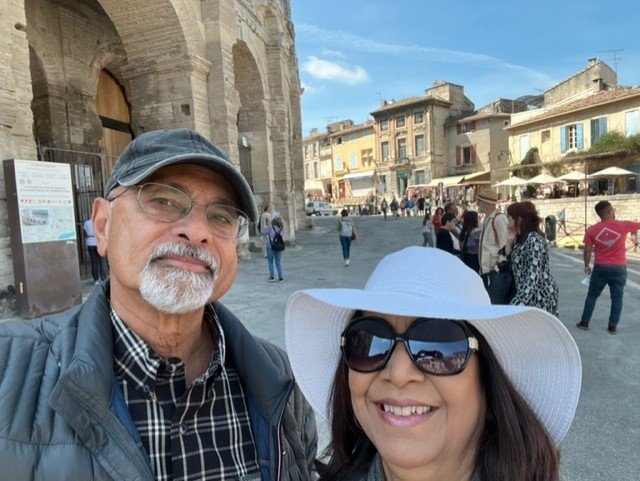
x=594, y=100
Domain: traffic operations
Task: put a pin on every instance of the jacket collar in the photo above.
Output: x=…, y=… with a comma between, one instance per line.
x=90, y=373
x=265, y=376
x=83, y=393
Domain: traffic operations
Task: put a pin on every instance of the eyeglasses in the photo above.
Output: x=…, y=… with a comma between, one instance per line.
x=169, y=204
x=441, y=347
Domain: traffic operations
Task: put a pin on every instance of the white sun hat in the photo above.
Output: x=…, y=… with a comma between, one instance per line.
x=533, y=347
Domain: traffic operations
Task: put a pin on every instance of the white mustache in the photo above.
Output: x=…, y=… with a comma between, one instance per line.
x=183, y=250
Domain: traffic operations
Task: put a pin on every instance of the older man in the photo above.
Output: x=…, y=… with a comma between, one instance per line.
x=152, y=378
x=492, y=246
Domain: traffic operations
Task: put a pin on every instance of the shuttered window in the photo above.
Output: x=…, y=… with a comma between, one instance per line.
x=524, y=145
x=632, y=121
x=598, y=129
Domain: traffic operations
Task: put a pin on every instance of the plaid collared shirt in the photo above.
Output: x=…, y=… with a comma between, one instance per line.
x=198, y=432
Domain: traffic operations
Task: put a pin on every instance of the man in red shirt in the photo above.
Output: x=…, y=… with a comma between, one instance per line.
x=607, y=238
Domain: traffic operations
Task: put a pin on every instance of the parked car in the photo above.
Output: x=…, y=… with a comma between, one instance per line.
x=320, y=208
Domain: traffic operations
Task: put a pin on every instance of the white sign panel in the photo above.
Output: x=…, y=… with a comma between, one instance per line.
x=45, y=200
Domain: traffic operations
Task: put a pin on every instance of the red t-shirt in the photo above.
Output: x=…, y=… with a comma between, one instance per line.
x=609, y=238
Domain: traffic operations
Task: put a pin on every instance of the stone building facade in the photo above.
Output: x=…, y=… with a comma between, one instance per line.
x=411, y=146
x=318, y=165
x=352, y=148
x=80, y=78
x=479, y=142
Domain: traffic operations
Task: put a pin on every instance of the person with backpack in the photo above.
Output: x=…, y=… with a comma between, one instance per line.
x=347, y=234
x=275, y=246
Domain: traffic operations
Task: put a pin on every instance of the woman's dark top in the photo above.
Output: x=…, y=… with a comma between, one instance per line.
x=445, y=242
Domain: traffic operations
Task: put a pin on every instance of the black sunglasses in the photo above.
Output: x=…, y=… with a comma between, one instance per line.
x=441, y=347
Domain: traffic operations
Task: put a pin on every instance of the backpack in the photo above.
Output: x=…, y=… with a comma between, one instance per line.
x=346, y=228
x=277, y=243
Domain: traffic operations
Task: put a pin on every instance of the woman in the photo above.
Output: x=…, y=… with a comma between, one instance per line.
x=347, y=233
x=427, y=231
x=445, y=238
x=470, y=240
x=274, y=234
x=534, y=285
x=437, y=219
x=430, y=381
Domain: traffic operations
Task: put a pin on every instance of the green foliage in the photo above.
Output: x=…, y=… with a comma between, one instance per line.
x=615, y=141
x=531, y=158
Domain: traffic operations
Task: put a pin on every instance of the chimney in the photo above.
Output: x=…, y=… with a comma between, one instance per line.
x=600, y=85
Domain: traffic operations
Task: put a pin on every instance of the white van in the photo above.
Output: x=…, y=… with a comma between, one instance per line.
x=320, y=208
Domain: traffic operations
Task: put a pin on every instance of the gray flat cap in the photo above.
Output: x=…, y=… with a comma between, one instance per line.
x=152, y=151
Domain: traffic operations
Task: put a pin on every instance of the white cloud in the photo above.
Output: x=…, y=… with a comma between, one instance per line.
x=335, y=71
x=311, y=89
x=362, y=44
x=326, y=52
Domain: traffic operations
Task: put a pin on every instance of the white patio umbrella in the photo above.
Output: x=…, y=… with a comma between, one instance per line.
x=611, y=172
x=511, y=182
x=573, y=176
x=542, y=179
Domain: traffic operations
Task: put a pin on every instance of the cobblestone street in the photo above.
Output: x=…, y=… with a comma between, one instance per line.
x=603, y=441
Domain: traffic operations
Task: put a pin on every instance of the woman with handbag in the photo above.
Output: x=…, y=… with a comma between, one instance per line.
x=347, y=234
x=534, y=285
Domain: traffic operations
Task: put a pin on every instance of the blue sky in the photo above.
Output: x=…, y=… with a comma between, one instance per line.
x=352, y=53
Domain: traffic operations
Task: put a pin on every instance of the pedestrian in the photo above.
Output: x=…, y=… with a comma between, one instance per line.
x=274, y=234
x=394, y=207
x=421, y=205
x=403, y=206
x=430, y=381
x=437, y=219
x=427, y=231
x=152, y=378
x=533, y=283
x=470, y=240
x=451, y=207
x=98, y=263
x=383, y=207
x=492, y=256
x=445, y=238
x=347, y=234
x=607, y=239
x=265, y=220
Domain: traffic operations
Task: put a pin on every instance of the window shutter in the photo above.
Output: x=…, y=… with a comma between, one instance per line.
x=474, y=154
x=459, y=129
x=580, y=135
x=473, y=126
x=563, y=139
x=595, y=124
x=458, y=155
x=633, y=122
x=603, y=126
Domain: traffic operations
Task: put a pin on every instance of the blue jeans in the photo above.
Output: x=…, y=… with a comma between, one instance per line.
x=274, y=257
x=345, y=242
x=613, y=276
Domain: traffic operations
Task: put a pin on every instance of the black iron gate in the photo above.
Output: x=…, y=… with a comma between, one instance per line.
x=87, y=178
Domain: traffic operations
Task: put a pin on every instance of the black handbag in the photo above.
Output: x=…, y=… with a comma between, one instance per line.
x=499, y=283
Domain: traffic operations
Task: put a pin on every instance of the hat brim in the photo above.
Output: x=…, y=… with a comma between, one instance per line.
x=547, y=374
x=216, y=164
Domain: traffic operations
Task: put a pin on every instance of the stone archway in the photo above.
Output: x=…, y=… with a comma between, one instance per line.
x=166, y=69
x=253, y=144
